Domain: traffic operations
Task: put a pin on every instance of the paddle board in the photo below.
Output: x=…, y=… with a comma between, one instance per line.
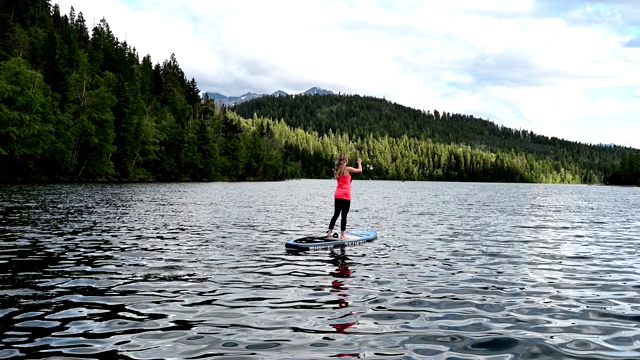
x=355, y=237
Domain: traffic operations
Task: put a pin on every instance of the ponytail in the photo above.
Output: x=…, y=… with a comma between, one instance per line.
x=341, y=163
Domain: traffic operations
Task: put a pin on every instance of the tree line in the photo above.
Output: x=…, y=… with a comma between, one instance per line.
x=80, y=105
x=361, y=116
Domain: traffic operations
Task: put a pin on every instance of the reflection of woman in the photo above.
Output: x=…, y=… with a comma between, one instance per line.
x=342, y=173
x=337, y=286
x=340, y=260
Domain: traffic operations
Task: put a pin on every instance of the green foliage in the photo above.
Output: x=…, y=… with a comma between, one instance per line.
x=34, y=142
x=90, y=105
x=629, y=171
x=361, y=116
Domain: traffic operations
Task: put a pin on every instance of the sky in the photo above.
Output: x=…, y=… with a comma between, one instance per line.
x=563, y=68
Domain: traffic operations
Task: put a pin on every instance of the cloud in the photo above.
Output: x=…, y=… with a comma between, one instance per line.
x=559, y=68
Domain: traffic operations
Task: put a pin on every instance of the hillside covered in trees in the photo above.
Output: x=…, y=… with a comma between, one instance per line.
x=78, y=104
x=361, y=116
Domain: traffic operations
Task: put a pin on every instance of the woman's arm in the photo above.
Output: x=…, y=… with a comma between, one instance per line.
x=354, y=170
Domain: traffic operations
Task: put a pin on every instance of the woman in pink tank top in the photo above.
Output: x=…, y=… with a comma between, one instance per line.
x=342, y=173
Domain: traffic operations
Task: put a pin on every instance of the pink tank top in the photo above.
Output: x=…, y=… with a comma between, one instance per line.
x=343, y=190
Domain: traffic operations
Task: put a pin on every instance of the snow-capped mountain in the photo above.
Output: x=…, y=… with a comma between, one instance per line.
x=319, y=91
x=217, y=97
x=231, y=100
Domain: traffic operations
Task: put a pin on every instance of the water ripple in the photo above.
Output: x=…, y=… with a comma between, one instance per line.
x=191, y=271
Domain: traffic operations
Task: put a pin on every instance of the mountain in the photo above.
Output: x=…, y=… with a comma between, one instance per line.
x=230, y=100
x=318, y=91
x=234, y=100
x=364, y=116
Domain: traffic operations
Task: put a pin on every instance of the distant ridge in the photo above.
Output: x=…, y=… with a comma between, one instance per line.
x=232, y=100
x=318, y=91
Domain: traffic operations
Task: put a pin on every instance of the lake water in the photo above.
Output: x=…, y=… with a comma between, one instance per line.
x=193, y=271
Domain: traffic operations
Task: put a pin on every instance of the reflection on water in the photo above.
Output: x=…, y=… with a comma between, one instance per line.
x=191, y=271
x=338, y=287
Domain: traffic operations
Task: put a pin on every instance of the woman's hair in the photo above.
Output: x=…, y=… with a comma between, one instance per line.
x=341, y=163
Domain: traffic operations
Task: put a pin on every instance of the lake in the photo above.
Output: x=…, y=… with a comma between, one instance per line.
x=199, y=270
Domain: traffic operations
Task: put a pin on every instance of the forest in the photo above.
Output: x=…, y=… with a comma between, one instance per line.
x=360, y=116
x=77, y=104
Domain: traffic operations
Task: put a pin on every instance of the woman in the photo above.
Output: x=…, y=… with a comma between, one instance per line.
x=342, y=173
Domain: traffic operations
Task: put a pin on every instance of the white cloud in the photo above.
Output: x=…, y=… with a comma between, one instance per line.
x=522, y=63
